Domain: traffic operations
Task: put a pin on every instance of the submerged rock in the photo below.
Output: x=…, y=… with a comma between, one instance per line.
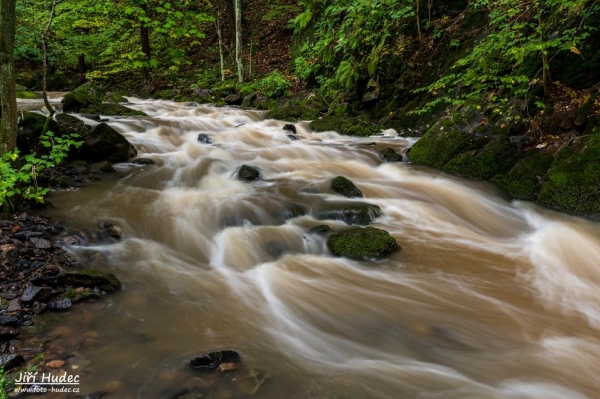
x=367, y=243
x=143, y=161
x=90, y=278
x=102, y=167
x=360, y=213
x=248, y=173
x=111, y=230
x=389, y=155
x=321, y=230
x=204, y=138
x=211, y=361
x=345, y=187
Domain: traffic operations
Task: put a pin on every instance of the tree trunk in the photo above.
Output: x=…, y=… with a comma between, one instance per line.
x=238, y=40
x=8, y=97
x=546, y=78
x=45, y=61
x=417, y=12
x=145, y=39
x=230, y=9
x=220, y=34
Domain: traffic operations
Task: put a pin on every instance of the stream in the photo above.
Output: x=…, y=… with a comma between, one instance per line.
x=487, y=299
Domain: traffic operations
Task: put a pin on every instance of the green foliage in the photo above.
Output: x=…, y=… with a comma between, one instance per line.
x=274, y=85
x=496, y=70
x=2, y=385
x=18, y=176
x=351, y=38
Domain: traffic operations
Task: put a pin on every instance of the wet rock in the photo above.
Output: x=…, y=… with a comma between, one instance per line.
x=9, y=321
x=95, y=395
x=321, y=230
x=345, y=187
x=33, y=293
x=359, y=213
x=7, y=333
x=211, y=361
x=233, y=99
x=55, y=364
x=59, y=304
x=292, y=137
x=275, y=248
x=70, y=124
x=38, y=307
x=389, y=155
x=14, y=306
x=367, y=243
x=111, y=230
x=289, y=128
x=106, y=144
x=204, y=138
x=248, y=173
x=90, y=278
x=143, y=161
x=8, y=362
x=249, y=100
x=102, y=167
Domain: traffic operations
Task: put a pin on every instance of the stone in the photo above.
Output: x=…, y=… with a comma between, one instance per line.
x=211, y=361
x=368, y=243
x=360, y=213
x=226, y=367
x=14, y=306
x=248, y=173
x=7, y=333
x=389, y=155
x=233, y=99
x=59, y=304
x=90, y=278
x=111, y=230
x=8, y=362
x=102, y=167
x=33, y=293
x=9, y=321
x=55, y=364
x=290, y=128
x=321, y=230
x=345, y=187
x=204, y=138
x=106, y=144
x=249, y=100
x=143, y=161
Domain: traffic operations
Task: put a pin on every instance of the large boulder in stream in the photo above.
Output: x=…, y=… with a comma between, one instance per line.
x=345, y=187
x=104, y=143
x=368, y=243
x=87, y=99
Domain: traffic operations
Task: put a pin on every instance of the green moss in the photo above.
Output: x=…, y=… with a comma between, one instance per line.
x=111, y=109
x=79, y=295
x=493, y=158
x=115, y=98
x=439, y=145
x=292, y=112
x=367, y=243
x=524, y=180
x=345, y=187
x=27, y=95
x=573, y=181
x=343, y=124
x=90, y=278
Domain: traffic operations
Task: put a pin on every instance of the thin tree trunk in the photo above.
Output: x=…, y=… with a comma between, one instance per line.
x=8, y=97
x=419, y=22
x=220, y=35
x=81, y=66
x=230, y=9
x=145, y=39
x=546, y=78
x=45, y=60
x=238, y=40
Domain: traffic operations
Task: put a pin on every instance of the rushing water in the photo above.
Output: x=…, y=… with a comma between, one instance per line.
x=487, y=299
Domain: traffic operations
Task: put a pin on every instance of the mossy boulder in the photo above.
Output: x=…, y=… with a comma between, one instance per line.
x=111, y=110
x=525, y=179
x=114, y=98
x=84, y=96
x=292, y=111
x=495, y=157
x=439, y=145
x=69, y=124
x=389, y=155
x=368, y=243
x=358, y=213
x=25, y=93
x=104, y=143
x=346, y=125
x=90, y=278
x=572, y=183
x=31, y=126
x=342, y=186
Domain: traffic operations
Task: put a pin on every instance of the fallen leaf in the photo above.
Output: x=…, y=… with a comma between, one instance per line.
x=55, y=364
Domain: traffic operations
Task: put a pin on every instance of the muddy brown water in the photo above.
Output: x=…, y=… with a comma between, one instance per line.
x=487, y=299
